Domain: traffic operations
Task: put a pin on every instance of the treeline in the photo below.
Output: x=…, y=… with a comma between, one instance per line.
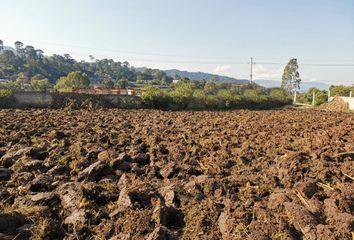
x=27, y=62
x=201, y=95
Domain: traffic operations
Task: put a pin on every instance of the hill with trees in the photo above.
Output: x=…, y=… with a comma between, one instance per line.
x=176, y=74
x=27, y=62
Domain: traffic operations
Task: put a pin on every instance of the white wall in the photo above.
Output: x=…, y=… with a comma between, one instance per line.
x=349, y=100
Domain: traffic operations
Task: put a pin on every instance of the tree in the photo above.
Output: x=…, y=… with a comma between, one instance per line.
x=92, y=58
x=41, y=85
x=107, y=83
x=182, y=94
x=154, y=97
x=210, y=87
x=341, y=90
x=291, y=77
x=320, y=96
x=122, y=83
x=1, y=46
x=72, y=80
x=18, y=45
x=277, y=94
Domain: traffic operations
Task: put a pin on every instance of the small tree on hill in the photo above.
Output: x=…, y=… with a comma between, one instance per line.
x=74, y=79
x=291, y=77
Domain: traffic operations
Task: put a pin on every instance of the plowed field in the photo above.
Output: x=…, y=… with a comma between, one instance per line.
x=148, y=174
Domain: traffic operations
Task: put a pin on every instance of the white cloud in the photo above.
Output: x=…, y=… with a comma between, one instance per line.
x=261, y=72
x=224, y=69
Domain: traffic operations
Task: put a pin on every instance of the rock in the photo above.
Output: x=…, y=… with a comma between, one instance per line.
x=95, y=172
x=42, y=183
x=142, y=159
x=4, y=174
x=162, y=233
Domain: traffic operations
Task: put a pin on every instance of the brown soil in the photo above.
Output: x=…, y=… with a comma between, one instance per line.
x=336, y=104
x=148, y=174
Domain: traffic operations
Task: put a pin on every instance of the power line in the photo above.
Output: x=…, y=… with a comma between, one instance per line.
x=227, y=62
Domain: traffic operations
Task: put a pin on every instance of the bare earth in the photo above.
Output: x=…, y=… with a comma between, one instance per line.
x=148, y=174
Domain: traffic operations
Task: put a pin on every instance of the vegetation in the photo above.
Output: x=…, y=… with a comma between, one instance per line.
x=341, y=90
x=291, y=77
x=188, y=94
x=73, y=80
x=320, y=96
x=5, y=97
x=27, y=62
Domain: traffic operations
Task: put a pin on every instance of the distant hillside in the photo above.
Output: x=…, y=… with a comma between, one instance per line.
x=304, y=86
x=202, y=76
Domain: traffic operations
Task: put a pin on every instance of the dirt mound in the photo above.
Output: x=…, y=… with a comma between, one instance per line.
x=337, y=104
x=148, y=174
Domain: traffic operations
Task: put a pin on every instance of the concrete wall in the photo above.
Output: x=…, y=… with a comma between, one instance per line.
x=33, y=99
x=58, y=100
x=349, y=100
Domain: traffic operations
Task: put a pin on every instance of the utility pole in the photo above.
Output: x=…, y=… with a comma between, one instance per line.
x=251, y=75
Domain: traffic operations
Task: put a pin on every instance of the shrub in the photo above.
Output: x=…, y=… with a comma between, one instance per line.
x=41, y=85
x=278, y=94
x=183, y=94
x=5, y=97
x=154, y=97
x=251, y=94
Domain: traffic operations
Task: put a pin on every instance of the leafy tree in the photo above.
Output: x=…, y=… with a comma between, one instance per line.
x=291, y=77
x=341, y=90
x=251, y=94
x=320, y=96
x=107, y=83
x=73, y=80
x=182, y=94
x=154, y=97
x=277, y=94
x=41, y=85
x=210, y=87
x=1, y=45
x=226, y=97
x=122, y=83
x=5, y=97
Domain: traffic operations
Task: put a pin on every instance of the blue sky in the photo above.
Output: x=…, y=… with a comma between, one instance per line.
x=217, y=36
